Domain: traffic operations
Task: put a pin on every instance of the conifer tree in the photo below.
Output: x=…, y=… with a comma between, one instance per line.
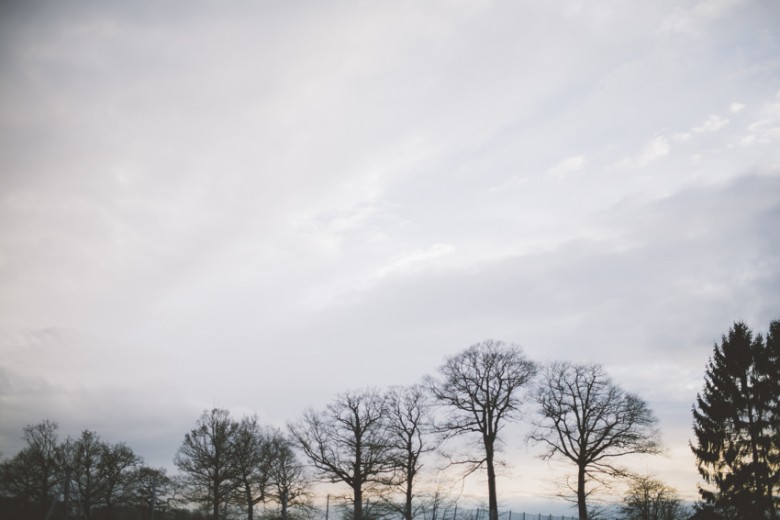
x=735, y=424
x=771, y=398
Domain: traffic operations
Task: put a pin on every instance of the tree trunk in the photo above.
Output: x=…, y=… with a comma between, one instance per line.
x=66, y=494
x=215, y=508
x=409, y=485
x=408, y=504
x=581, y=505
x=358, y=506
x=491, y=473
x=250, y=513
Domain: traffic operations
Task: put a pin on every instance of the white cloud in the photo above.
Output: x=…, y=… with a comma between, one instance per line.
x=765, y=130
x=416, y=260
x=693, y=20
x=736, y=108
x=653, y=150
x=567, y=167
x=712, y=124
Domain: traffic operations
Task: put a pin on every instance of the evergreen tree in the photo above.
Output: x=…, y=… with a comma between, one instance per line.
x=771, y=397
x=735, y=423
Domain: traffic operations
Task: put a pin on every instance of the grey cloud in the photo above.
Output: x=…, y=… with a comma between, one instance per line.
x=261, y=195
x=680, y=270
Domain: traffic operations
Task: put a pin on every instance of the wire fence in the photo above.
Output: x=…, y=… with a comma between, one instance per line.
x=443, y=513
x=484, y=514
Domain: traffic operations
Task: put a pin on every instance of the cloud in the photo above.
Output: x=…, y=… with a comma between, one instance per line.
x=765, y=130
x=692, y=21
x=568, y=167
x=662, y=259
x=656, y=286
x=655, y=149
x=416, y=260
x=224, y=201
x=712, y=124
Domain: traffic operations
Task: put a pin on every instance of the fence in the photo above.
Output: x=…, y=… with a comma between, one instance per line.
x=443, y=513
x=484, y=514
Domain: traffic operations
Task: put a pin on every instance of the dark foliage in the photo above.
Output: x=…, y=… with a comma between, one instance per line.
x=736, y=425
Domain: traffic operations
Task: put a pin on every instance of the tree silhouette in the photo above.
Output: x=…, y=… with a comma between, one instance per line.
x=116, y=470
x=735, y=423
x=410, y=425
x=252, y=460
x=34, y=476
x=348, y=442
x=83, y=461
x=206, y=459
x=289, y=483
x=479, y=390
x=650, y=499
x=587, y=419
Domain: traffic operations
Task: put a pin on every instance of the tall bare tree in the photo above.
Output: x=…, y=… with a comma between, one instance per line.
x=252, y=452
x=116, y=470
x=151, y=489
x=206, y=459
x=83, y=458
x=289, y=483
x=587, y=419
x=480, y=389
x=410, y=426
x=348, y=442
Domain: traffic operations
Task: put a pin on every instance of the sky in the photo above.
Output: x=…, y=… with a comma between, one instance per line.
x=259, y=205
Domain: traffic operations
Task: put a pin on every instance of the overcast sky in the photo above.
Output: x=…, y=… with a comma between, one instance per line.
x=258, y=205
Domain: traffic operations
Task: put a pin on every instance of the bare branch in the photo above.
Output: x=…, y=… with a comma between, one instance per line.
x=588, y=420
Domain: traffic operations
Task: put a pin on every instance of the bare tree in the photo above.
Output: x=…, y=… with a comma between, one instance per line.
x=480, y=388
x=650, y=499
x=436, y=503
x=151, y=490
x=116, y=466
x=409, y=424
x=206, y=459
x=587, y=419
x=83, y=458
x=348, y=442
x=251, y=449
x=289, y=482
x=34, y=475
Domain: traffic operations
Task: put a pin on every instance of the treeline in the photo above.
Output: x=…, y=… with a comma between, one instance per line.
x=375, y=443
x=84, y=478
